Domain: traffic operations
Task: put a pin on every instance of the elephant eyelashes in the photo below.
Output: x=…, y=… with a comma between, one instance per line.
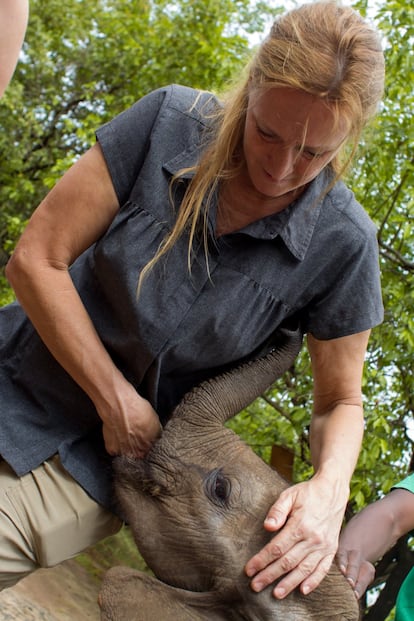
x=217, y=487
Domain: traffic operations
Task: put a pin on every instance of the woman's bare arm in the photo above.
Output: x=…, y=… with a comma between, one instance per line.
x=72, y=217
x=309, y=515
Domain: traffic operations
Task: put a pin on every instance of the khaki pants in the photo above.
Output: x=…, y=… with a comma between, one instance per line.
x=45, y=518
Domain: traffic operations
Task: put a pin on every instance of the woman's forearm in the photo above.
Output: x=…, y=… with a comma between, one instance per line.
x=335, y=441
x=53, y=305
x=130, y=424
x=71, y=218
x=337, y=422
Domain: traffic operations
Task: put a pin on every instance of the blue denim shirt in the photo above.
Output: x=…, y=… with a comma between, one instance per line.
x=315, y=263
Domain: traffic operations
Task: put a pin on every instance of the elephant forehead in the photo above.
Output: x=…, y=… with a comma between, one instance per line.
x=207, y=491
x=134, y=477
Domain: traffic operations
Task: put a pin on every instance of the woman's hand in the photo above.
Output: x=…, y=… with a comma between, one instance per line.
x=132, y=428
x=309, y=515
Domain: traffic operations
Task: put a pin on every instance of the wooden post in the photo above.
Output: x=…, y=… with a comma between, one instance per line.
x=281, y=459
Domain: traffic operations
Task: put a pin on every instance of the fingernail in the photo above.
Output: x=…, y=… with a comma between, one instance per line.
x=306, y=590
x=271, y=522
x=280, y=592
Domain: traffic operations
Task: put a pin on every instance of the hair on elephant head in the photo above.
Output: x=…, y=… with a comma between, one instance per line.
x=196, y=506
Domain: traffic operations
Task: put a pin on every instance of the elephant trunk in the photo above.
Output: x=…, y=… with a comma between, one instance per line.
x=219, y=399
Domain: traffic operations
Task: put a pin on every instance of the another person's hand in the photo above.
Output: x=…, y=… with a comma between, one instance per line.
x=309, y=515
x=358, y=571
x=132, y=427
x=370, y=533
x=13, y=22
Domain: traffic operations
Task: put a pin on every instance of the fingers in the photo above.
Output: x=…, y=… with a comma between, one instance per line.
x=302, y=551
x=314, y=579
x=308, y=574
x=299, y=566
x=365, y=577
x=273, y=560
x=131, y=425
x=278, y=513
x=349, y=563
x=359, y=572
x=134, y=442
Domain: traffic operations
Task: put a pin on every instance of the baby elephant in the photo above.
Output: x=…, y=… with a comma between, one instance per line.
x=196, y=506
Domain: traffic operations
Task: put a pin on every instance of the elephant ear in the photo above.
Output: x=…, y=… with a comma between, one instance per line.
x=131, y=595
x=222, y=397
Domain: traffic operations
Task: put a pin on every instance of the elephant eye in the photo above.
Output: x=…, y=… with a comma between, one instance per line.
x=218, y=487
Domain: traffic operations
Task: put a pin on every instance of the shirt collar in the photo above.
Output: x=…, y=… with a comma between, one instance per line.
x=294, y=225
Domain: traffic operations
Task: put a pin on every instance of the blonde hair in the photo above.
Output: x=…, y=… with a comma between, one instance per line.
x=322, y=48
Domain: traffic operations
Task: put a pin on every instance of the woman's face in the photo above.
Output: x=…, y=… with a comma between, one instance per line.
x=289, y=137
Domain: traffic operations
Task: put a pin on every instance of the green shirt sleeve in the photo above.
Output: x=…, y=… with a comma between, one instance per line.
x=407, y=483
x=405, y=601
x=404, y=610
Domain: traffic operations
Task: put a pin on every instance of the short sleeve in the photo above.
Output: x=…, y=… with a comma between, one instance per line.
x=407, y=483
x=125, y=140
x=349, y=296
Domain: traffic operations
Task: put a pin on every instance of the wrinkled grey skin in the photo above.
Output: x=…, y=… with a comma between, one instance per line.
x=196, y=506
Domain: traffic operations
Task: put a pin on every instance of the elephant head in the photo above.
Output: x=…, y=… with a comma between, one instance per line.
x=196, y=506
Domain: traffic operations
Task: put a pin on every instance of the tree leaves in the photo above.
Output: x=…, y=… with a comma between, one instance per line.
x=82, y=63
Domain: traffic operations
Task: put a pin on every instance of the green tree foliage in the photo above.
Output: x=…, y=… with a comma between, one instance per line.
x=83, y=63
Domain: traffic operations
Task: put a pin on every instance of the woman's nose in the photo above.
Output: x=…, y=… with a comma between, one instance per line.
x=282, y=162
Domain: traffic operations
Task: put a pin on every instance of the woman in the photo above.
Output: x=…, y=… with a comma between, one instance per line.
x=370, y=534
x=175, y=247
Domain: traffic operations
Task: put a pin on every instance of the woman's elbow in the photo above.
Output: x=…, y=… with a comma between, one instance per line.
x=20, y=268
